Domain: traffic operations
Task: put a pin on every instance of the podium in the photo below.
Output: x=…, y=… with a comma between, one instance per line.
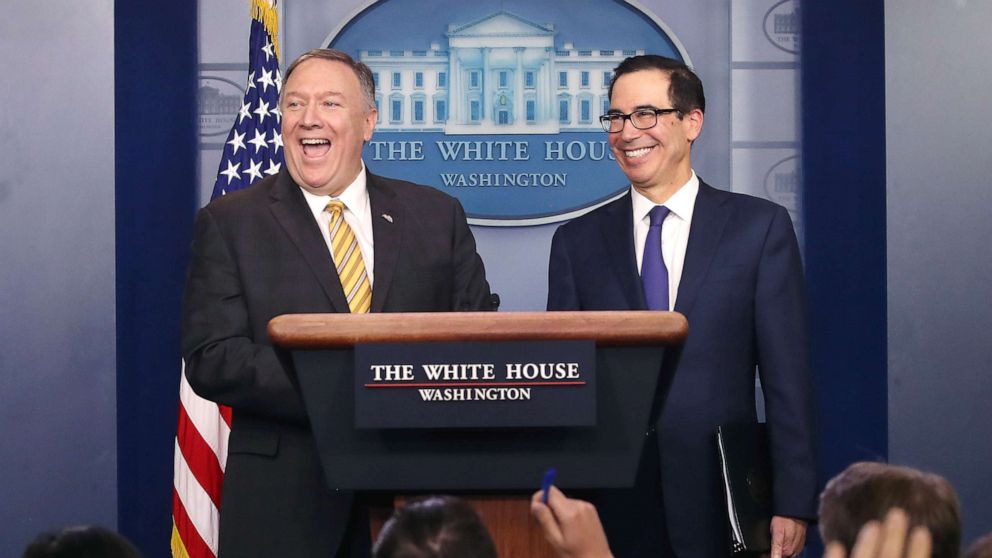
x=498, y=468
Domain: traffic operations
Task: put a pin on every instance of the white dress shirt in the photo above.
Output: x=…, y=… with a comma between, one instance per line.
x=674, y=230
x=357, y=213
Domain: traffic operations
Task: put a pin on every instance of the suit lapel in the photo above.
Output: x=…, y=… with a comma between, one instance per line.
x=617, y=226
x=388, y=224
x=291, y=211
x=709, y=217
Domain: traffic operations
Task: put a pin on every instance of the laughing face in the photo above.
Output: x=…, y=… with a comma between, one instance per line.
x=325, y=121
x=656, y=160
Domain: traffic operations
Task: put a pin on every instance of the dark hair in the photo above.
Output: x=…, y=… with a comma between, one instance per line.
x=982, y=548
x=436, y=527
x=81, y=542
x=685, y=91
x=866, y=491
x=362, y=72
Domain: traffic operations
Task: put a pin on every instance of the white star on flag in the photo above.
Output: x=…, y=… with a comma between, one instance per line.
x=237, y=142
x=251, y=82
x=243, y=113
x=232, y=172
x=267, y=49
x=278, y=80
x=276, y=141
x=258, y=141
x=266, y=80
x=273, y=168
x=254, y=170
x=262, y=111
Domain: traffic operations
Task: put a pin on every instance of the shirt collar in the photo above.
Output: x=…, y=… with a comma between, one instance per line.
x=355, y=197
x=681, y=203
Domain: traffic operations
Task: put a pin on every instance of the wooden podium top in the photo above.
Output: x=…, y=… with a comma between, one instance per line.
x=608, y=328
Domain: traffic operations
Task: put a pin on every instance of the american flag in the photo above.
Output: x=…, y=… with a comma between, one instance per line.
x=252, y=151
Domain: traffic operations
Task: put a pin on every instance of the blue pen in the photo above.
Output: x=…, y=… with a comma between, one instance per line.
x=549, y=479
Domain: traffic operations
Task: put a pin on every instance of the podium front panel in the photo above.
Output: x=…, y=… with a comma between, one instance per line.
x=601, y=456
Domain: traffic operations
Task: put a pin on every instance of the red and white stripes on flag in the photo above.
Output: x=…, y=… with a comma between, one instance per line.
x=203, y=429
x=199, y=461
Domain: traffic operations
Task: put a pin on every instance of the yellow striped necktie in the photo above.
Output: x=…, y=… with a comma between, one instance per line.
x=348, y=261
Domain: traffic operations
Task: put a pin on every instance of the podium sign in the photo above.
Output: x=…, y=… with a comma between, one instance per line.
x=475, y=385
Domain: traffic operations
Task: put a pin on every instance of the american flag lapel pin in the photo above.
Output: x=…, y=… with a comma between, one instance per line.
x=387, y=217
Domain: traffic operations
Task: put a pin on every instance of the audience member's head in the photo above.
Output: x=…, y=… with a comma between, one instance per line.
x=436, y=527
x=982, y=548
x=81, y=542
x=891, y=538
x=866, y=491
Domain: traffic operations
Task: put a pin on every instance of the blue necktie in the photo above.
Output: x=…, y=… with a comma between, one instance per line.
x=654, y=274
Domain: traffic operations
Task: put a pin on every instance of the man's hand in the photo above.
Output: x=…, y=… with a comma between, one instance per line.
x=788, y=536
x=571, y=526
x=886, y=540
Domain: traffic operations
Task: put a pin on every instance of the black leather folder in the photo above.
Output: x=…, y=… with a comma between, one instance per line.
x=746, y=476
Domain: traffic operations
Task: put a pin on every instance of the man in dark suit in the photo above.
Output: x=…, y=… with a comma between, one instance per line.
x=731, y=264
x=322, y=235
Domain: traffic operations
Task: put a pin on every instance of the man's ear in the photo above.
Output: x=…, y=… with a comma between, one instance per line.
x=693, y=121
x=370, y=117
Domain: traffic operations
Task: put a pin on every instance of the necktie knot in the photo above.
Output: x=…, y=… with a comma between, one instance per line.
x=658, y=214
x=334, y=206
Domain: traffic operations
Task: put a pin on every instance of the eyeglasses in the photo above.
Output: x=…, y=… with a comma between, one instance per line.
x=642, y=119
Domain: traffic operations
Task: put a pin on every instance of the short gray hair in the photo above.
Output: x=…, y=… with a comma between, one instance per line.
x=362, y=71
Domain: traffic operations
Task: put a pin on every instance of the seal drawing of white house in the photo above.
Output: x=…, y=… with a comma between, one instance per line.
x=501, y=74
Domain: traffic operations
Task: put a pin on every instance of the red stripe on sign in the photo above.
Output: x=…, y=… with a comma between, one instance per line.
x=200, y=457
x=192, y=540
x=476, y=384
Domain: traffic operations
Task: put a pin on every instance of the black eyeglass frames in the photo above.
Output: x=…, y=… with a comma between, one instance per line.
x=642, y=119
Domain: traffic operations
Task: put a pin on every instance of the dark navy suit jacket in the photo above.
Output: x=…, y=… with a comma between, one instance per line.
x=742, y=291
x=258, y=253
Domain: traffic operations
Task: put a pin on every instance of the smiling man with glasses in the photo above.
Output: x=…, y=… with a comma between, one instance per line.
x=731, y=264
